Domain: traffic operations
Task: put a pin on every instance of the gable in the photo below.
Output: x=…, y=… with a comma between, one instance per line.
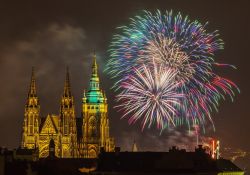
x=50, y=125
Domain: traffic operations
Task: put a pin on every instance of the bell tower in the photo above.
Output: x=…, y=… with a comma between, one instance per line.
x=95, y=126
x=30, y=135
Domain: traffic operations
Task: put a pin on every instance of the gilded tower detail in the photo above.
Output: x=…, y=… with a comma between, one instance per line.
x=68, y=122
x=31, y=122
x=61, y=129
x=95, y=119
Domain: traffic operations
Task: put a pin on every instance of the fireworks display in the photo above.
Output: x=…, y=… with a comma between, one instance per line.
x=150, y=93
x=171, y=57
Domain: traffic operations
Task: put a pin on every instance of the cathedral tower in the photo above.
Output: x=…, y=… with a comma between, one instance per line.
x=71, y=137
x=30, y=135
x=68, y=122
x=95, y=126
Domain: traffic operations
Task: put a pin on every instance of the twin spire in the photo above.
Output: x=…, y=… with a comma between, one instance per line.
x=32, y=90
x=67, y=89
x=32, y=100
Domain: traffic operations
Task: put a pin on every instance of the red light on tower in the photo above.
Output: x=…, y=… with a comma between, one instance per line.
x=213, y=149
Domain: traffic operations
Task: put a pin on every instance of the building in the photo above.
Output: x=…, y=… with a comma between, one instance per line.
x=73, y=137
x=25, y=154
x=176, y=161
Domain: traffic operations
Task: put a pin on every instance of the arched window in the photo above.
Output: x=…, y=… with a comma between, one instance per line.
x=92, y=121
x=92, y=153
x=92, y=126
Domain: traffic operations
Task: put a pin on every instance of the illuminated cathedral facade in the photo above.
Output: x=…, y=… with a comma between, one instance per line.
x=73, y=137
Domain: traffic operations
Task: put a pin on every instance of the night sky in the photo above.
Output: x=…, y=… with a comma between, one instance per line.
x=51, y=35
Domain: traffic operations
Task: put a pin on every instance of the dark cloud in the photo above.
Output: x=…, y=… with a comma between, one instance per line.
x=50, y=49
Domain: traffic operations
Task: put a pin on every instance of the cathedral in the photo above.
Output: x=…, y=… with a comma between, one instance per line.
x=73, y=137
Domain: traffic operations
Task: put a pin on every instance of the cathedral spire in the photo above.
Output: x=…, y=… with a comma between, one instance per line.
x=67, y=91
x=32, y=90
x=94, y=80
x=94, y=67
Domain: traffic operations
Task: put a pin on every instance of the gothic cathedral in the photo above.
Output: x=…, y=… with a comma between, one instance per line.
x=73, y=137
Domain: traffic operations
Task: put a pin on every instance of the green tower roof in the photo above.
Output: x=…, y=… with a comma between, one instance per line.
x=94, y=94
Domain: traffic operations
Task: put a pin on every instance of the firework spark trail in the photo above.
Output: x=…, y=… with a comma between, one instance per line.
x=179, y=44
x=150, y=94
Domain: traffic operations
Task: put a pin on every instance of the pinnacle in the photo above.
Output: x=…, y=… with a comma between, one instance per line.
x=67, y=91
x=94, y=66
x=32, y=90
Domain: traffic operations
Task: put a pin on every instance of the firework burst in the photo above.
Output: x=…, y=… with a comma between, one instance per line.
x=150, y=94
x=171, y=43
x=172, y=40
